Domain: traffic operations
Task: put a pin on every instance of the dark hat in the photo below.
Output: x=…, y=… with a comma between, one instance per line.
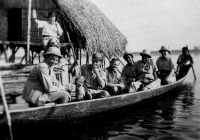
x=53, y=51
x=146, y=53
x=51, y=14
x=97, y=56
x=127, y=53
x=163, y=48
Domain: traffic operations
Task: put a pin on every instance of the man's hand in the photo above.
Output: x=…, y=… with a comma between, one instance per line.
x=121, y=86
x=130, y=80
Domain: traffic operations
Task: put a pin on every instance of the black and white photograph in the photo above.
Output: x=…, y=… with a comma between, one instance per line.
x=99, y=70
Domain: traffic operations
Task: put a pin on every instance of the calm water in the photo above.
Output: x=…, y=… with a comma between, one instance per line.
x=173, y=117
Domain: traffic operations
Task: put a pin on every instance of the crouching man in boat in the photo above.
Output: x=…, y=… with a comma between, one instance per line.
x=128, y=72
x=114, y=85
x=146, y=77
x=42, y=86
x=90, y=79
x=165, y=66
x=185, y=62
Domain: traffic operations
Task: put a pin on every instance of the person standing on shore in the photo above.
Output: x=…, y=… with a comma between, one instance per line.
x=50, y=29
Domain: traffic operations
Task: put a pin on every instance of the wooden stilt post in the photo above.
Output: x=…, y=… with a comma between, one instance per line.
x=80, y=56
x=87, y=57
x=5, y=52
x=28, y=32
x=192, y=66
x=6, y=108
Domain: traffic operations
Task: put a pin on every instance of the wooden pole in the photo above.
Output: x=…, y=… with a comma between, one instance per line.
x=71, y=47
x=192, y=65
x=6, y=108
x=28, y=32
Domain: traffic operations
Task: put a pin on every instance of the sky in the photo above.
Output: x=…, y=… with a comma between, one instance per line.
x=150, y=24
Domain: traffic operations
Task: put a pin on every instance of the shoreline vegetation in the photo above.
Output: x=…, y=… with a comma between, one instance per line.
x=195, y=51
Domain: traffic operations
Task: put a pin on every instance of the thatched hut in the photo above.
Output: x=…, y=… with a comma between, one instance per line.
x=88, y=27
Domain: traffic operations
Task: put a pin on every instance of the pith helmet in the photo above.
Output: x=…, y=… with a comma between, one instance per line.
x=53, y=51
x=127, y=53
x=146, y=53
x=163, y=48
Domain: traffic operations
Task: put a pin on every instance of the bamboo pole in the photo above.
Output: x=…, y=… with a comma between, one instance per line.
x=6, y=108
x=28, y=32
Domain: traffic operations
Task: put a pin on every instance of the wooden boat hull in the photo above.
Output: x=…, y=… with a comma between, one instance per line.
x=76, y=110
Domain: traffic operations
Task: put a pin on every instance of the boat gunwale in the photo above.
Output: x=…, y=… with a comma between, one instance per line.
x=94, y=100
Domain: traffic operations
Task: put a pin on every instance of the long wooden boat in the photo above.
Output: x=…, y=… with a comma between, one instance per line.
x=76, y=110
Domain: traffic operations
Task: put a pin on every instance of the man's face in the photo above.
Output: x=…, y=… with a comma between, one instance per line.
x=52, y=60
x=145, y=58
x=52, y=19
x=129, y=59
x=96, y=63
x=185, y=52
x=165, y=54
x=114, y=64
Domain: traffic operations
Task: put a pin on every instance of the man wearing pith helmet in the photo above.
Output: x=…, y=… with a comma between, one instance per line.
x=42, y=86
x=165, y=66
x=128, y=72
x=146, y=77
x=90, y=79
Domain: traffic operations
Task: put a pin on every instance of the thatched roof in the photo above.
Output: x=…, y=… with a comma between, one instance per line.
x=90, y=28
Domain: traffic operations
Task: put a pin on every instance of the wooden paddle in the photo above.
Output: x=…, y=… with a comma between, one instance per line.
x=6, y=108
x=192, y=65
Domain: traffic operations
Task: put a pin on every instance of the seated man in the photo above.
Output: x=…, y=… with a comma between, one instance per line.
x=113, y=86
x=146, y=76
x=128, y=72
x=90, y=79
x=165, y=67
x=185, y=62
x=42, y=86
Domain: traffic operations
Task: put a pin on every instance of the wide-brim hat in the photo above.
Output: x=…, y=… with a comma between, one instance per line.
x=97, y=56
x=53, y=51
x=127, y=53
x=146, y=53
x=163, y=48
